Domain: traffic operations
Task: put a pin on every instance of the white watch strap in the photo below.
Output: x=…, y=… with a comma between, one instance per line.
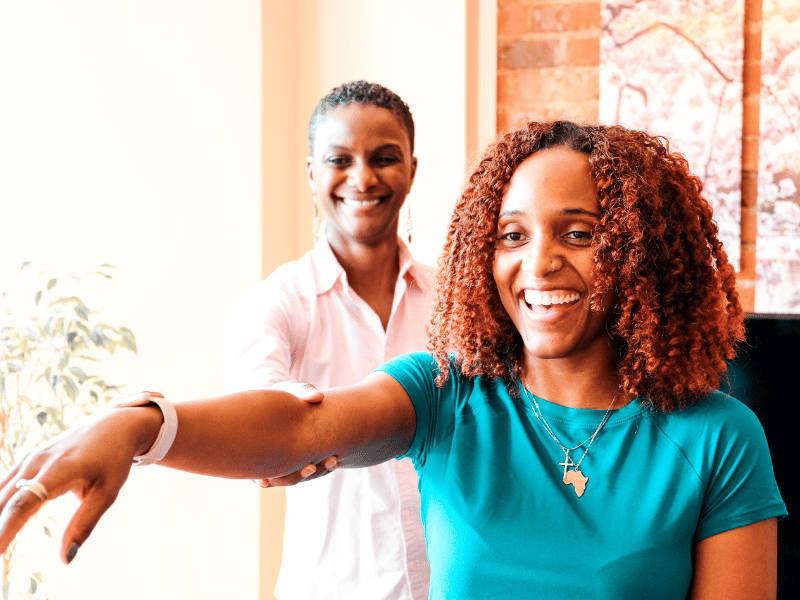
x=166, y=434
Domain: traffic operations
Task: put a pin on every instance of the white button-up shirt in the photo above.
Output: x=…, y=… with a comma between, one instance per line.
x=355, y=533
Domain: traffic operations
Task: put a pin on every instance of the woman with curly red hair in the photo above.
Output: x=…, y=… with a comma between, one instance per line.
x=566, y=427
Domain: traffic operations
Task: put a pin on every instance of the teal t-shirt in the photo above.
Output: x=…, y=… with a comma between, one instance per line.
x=501, y=523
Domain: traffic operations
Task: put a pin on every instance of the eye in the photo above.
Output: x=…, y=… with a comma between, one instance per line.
x=338, y=161
x=579, y=237
x=511, y=239
x=386, y=160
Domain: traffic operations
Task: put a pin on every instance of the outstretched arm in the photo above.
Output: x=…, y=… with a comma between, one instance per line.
x=265, y=433
x=256, y=434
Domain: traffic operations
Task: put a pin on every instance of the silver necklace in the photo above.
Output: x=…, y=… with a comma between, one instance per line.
x=574, y=476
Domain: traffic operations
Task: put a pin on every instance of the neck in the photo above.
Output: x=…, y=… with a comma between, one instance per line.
x=372, y=270
x=593, y=384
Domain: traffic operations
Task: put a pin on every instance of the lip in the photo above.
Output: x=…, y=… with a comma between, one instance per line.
x=360, y=202
x=566, y=301
x=552, y=297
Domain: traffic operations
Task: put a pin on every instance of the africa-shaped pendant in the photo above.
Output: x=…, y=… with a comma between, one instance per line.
x=577, y=479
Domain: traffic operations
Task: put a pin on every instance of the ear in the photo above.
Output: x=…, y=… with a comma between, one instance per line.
x=310, y=174
x=413, y=168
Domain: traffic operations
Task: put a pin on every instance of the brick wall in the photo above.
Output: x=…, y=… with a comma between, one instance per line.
x=746, y=278
x=548, y=55
x=548, y=61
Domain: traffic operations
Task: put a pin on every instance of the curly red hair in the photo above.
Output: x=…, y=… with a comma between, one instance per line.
x=677, y=318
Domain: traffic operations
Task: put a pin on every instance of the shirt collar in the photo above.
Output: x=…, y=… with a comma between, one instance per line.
x=328, y=270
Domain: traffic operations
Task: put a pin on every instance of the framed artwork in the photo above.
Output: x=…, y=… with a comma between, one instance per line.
x=778, y=242
x=674, y=68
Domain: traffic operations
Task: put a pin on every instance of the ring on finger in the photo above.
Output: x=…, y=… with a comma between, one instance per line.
x=34, y=487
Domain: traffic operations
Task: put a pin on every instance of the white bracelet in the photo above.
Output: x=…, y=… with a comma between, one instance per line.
x=166, y=434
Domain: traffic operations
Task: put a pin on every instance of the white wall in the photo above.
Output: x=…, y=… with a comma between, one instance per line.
x=130, y=134
x=417, y=48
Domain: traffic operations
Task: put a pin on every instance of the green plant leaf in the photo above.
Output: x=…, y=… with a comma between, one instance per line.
x=42, y=418
x=82, y=311
x=79, y=373
x=38, y=574
x=69, y=387
x=55, y=418
x=128, y=339
x=34, y=585
x=58, y=326
x=54, y=380
x=37, y=297
x=47, y=531
x=72, y=338
x=99, y=337
x=52, y=283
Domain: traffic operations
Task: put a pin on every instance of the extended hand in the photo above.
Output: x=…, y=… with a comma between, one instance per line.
x=92, y=460
x=308, y=393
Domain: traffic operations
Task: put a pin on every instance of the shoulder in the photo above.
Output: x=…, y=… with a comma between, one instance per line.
x=412, y=365
x=288, y=282
x=719, y=414
x=417, y=373
x=724, y=443
x=425, y=274
x=718, y=437
x=281, y=300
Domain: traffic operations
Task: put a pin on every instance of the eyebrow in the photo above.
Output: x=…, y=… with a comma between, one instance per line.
x=389, y=146
x=565, y=211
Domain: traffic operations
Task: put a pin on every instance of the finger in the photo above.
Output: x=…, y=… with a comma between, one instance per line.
x=93, y=506
x=308, y=473
x=330, y=464
x=21, y=506
x=287, y=480
x=12, y=474
x=291, y=479
x=7, y=489
x=303, y=391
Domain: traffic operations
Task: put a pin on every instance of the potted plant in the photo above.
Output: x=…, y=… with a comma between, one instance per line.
x=52, y=348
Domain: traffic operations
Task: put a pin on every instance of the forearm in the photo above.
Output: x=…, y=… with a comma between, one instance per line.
x=246, y=435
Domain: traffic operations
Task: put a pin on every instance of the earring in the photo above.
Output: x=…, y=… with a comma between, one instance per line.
x=409, y=224
x=315, y=223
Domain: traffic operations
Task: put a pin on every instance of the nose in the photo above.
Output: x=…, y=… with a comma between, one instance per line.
x=539, y=258
x=361, y=176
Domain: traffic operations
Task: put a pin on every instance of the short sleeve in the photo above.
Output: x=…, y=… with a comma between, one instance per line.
x=417, y=373
x=741, y=487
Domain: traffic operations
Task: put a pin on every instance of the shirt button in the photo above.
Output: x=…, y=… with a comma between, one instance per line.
x=412, y=566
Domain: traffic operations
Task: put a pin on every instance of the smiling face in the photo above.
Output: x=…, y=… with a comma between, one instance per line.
x=361, y=172
x=543, y=264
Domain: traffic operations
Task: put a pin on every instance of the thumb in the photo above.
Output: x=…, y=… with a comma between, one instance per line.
x=303, y=391
x=94, y=505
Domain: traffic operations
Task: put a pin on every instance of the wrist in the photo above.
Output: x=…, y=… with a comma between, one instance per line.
x=155, y=428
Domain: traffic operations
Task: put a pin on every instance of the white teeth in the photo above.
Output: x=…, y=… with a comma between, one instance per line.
x=360, y=203
x=535, y=298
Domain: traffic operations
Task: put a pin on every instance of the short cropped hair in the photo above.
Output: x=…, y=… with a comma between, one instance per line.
x=364, y=93
x=677, y=316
